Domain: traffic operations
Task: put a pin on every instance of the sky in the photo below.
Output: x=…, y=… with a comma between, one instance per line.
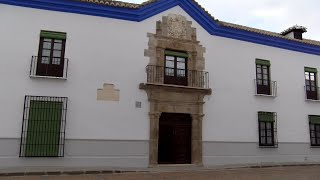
x=270, y=15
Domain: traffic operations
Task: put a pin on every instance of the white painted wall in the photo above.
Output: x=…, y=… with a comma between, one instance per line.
x=103, y=50
x=290, y=35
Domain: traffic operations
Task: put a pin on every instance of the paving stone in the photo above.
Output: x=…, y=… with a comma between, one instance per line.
x=271, y=173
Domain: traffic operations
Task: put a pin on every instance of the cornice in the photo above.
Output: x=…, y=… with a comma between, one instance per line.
x=152, y=8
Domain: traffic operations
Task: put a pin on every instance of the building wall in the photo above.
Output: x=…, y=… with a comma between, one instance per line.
x=103, y=50
x=230, y=123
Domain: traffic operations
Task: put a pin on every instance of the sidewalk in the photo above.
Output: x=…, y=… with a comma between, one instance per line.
x=282, y=172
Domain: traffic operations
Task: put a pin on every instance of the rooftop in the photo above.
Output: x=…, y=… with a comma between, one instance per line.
x=221, y=23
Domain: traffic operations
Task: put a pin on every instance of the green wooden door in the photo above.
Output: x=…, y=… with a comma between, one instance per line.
x=43, y=131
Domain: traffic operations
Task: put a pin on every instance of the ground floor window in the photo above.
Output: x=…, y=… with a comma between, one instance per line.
x=43, y=128
x=314, y=124
x=267, y=129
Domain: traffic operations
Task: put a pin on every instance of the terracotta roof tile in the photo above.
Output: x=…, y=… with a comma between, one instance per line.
x=113, y=3
x=268, y=33
x=222, y=23
x=260, y=31
x=118, y=3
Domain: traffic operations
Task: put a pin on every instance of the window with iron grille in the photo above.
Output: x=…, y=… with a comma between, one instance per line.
x=43, y=128
x=263, y=82
x=311, y=83
x=314, y=125
x=50, y=61
x=267, y=129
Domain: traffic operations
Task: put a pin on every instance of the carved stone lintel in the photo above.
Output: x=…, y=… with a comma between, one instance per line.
x=177, y=26
x=174, y=32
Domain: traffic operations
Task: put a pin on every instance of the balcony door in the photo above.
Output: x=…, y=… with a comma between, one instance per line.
x=176, y=68
x=311, y=85
x=51, y=57
x=263, y=79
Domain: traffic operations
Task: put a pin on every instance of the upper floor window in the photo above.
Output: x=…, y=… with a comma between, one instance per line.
x=311, y=83
x=263, y=82
x=50, y=61
x=176, y=65
x=267, y=129
x=314, y=124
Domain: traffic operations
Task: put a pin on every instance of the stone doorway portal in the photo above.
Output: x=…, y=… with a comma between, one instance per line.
x=175, y=37
x=175, y=100
x=174, y=144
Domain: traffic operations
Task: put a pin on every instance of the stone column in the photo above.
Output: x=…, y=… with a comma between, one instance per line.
x=154, y=136
x=197, y=139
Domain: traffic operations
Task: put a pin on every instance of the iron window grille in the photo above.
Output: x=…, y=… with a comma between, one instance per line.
x=43, y=127
x=267, y=129
x=314, y=125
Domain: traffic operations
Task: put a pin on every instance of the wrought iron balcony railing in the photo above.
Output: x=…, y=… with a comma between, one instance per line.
x=49, y=67
x=265, y=87
x=181, y=77
x=312, y=93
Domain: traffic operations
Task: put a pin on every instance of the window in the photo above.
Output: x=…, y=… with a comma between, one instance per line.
x=176, y=68
x=267, y=129
x=50, y=60
x=314, y=125
x=43, y=126
x=263, y=83
x=311, y=83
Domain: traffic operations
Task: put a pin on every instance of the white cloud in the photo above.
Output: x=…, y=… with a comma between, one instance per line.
x=272, y=15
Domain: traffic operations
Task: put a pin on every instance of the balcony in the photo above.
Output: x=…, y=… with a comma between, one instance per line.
x=265, y=87
x=46, y=67
x=312, y=93
x=160, y=75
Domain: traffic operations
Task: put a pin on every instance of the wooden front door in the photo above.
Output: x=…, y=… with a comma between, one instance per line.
x=51, y=57
x=175, y=70
x=174, y=139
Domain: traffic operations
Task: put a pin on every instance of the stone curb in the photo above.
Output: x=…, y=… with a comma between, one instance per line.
x=58, y=173
x=101, y=172
x=280, y=165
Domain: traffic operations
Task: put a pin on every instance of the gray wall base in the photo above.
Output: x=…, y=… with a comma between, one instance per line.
x=81, y=153
x=228, y=153
x=135, y=154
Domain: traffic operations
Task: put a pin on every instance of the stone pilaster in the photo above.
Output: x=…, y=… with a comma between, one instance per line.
x=154, y=136
x=197, y=138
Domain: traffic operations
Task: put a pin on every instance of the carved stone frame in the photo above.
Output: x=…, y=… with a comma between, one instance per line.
x=174, y=32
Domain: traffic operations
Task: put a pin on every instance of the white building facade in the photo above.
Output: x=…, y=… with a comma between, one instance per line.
x=126, y=85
